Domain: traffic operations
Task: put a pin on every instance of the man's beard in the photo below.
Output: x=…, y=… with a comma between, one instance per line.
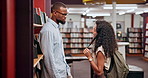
x=59, y=21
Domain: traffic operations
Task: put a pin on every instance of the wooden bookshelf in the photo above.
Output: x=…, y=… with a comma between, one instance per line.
x=145, y=58
x=75, y=40
x=146, y=42
x=37, y=28
x=134, y=54
x=36, y=61
x=135, y=37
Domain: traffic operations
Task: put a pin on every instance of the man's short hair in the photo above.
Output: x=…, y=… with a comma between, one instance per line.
x=57, y=5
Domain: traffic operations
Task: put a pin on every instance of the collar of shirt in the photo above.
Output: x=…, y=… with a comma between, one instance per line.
x=58, y=26
x=53, y=23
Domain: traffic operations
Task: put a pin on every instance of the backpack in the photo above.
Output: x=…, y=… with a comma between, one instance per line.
x=118, y=68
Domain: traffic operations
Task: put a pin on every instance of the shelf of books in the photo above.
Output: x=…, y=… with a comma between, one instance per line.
x=75, y=40
x=146, y=42
x=135, y=37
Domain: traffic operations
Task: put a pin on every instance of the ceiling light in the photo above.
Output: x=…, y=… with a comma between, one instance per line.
x=94, y=2
x=75, y=12
x=77, y=8
x=131, y=10
x=120, y=7
x=121, y=13
x=146, y=10
x=68, y=9
x=140, y=12
x=98, y=15
x=84, y=13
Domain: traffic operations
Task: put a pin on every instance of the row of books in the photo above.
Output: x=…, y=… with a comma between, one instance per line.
x=146, y=47
x=135, y=40
x=135, y=51
x=87, y=35
x=135, y=35
x=74, y=30
x=146, y=34
x=39, y=16
x=76, y=51
x=134, y=29
x=135, y=45
x=146, y=54
x=146, y=40
x=147, y=26
x=77, y=35
x=76, y=45
x=77, y=40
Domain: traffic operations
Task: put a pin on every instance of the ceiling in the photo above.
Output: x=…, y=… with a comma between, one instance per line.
x=107, y=1
x=107, y=9
x=122, y=7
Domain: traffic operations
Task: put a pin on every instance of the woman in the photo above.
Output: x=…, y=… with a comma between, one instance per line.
x=104, y=47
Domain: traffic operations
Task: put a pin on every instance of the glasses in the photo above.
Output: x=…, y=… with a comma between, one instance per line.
x=64, y=14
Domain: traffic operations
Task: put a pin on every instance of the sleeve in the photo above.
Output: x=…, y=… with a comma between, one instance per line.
x=46, y=43
x=68, y=70
x=101, y=50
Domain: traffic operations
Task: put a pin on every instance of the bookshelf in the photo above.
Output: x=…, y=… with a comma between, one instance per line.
x=37, y=28
x=135, y=37
x=75, y=40
x=146, y=41
x=37, y=60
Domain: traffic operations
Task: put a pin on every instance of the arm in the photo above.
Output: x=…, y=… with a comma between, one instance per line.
x=98, y=68
x=46, y=43
x=68, y=72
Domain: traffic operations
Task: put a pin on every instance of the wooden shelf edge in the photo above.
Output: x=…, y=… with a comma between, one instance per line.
x=76, y=42
x=134, y=54
x=37, y=25
x=76, y=47
x=77, y=54
x=40, y=56
x=79, y=37
x=145, y=58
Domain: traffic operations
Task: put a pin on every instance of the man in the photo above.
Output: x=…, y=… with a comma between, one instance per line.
x=54, y=64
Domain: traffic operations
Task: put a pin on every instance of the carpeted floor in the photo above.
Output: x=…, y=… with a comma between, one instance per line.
x=81, y=69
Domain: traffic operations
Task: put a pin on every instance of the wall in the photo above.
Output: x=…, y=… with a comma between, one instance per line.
x=125, y=19
x=109, y=18
x=39, y=4
x=44, y=5
x=76, y=20
x=138, y=21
